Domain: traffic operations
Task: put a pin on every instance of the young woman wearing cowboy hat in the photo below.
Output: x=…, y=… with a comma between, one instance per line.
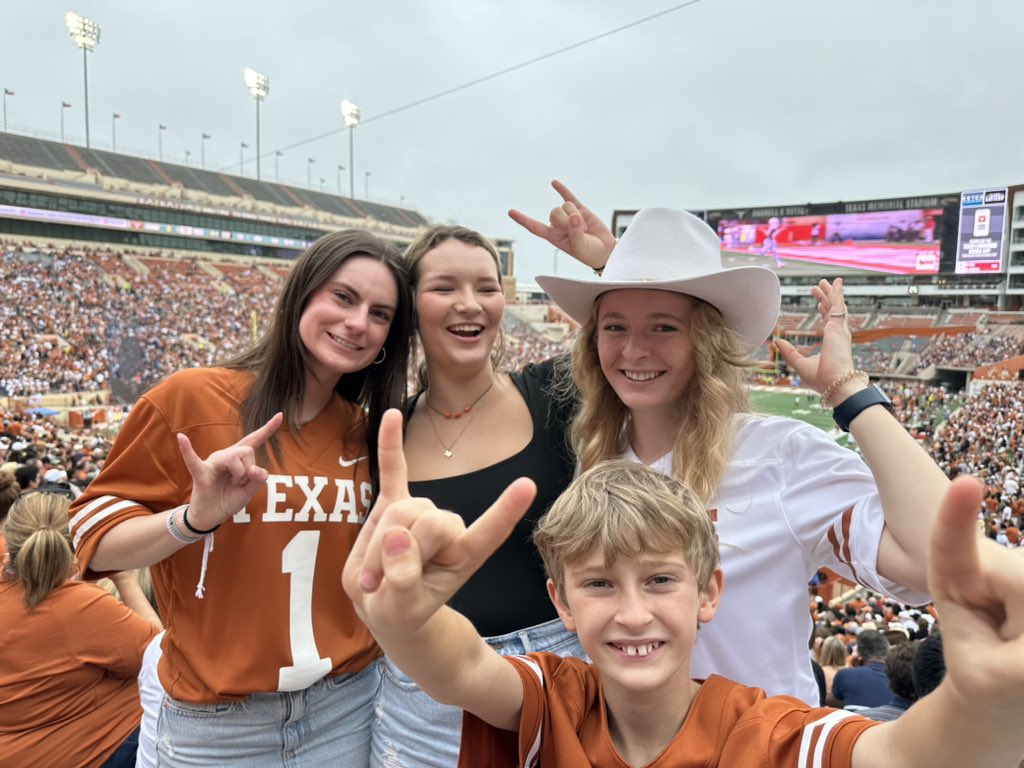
x=659, y=366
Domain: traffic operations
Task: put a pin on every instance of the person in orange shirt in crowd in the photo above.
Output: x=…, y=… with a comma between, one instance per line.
x=71, y=651
x=633, y=564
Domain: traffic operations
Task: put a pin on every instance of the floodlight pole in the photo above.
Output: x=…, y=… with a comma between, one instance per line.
x=259, y=86
x=7, y=92
x=86, y=34
x=85, y=71
x=351, y=113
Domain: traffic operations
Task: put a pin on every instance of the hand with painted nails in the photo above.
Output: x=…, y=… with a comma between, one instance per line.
x=225, y=481
x=573, y=228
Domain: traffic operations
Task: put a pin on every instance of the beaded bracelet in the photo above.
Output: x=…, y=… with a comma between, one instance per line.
x=826, y=396
x=192, y=529
x=177, y=533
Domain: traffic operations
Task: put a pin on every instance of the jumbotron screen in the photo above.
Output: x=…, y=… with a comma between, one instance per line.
x=904, y=236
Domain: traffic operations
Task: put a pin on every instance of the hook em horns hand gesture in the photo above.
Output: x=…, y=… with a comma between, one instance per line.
x=225, y=481
x=411, y=557
x=836, y=355
x=573, y=229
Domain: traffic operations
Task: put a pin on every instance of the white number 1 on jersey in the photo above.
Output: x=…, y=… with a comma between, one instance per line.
x=299, y=559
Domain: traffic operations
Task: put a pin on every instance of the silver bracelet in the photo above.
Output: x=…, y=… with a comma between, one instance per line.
x=176, y=532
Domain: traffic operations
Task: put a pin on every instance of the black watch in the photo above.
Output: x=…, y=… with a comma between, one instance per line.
x=852, y=406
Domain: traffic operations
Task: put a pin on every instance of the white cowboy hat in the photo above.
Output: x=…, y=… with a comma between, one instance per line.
x=669, y=250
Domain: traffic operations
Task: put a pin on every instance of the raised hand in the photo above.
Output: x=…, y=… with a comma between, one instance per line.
x=411, y=557
x=225, y=481
x=836, y=356
x=978, y=588
x=573, y=229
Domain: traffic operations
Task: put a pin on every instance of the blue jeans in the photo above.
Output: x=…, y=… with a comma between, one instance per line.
x=325, y=724
x=411, y=730
x=124, y=755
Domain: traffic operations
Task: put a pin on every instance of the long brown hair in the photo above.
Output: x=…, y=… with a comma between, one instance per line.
x=428, y=240
x=39, y=544
x=715, y=394
x=280, y=359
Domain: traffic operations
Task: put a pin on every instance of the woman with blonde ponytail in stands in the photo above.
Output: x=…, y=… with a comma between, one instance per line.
x=71, y=651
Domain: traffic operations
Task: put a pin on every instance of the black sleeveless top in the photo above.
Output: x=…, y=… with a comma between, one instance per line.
x=508, y=593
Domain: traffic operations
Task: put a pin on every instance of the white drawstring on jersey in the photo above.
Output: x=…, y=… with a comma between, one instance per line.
x=207, y=549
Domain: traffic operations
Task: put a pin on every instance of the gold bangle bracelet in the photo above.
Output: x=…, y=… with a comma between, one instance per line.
x=830, y=390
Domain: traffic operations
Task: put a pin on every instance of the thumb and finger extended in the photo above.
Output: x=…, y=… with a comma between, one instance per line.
x=953, y=548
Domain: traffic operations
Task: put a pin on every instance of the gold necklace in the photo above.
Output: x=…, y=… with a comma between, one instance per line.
x=457, y=414
x=472, y=413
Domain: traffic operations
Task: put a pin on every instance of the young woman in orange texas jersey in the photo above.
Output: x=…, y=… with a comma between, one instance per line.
x=633, y=567
x=71, y=651
x=472, y=429
x=264, y=660
x=659, y=364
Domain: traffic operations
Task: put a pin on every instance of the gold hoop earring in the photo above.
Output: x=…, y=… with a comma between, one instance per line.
x=382, y=358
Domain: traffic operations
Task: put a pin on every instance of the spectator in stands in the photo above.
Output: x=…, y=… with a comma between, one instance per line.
x=267, y=645
x=28, y=476
x=832, y=658
x=71, y=651
x=472, y=429
x=659, y=364
x=9, y=490
x=899, y=671
x=929, y=665
x=864, y=684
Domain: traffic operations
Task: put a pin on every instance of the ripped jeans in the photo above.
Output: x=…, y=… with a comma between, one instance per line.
x=411, y=730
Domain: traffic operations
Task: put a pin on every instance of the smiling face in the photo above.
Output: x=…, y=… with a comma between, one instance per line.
x=637, y=618
x=459, y=304
x=347, y=319
x=644, y=345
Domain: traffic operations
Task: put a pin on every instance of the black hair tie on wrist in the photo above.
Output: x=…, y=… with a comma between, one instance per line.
x=193, y=529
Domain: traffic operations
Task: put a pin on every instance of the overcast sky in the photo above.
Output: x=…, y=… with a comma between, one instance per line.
x=718, y=103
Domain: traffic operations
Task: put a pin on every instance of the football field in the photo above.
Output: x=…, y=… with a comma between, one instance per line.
x=795, y=405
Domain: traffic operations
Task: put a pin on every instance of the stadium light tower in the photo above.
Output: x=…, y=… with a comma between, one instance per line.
x=160, y=140
x=202, y=149
x=63, y=105
x=259, y=87
x=113, y=130
x=351, y=113
x=7, y=92
x=86, y=34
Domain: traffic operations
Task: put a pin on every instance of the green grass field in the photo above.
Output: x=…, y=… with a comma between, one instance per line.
x=795, y=406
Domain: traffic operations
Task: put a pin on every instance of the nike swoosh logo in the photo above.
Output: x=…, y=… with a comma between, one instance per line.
x=351, y=462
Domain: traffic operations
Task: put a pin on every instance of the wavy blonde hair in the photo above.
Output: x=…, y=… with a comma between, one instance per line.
x=39, y=544
x=715, y=394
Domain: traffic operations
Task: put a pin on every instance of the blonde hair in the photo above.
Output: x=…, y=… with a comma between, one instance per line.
x=628, y=510
x=39, y=543
x=833, y=652
x=428, y=240
x=715, y=394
